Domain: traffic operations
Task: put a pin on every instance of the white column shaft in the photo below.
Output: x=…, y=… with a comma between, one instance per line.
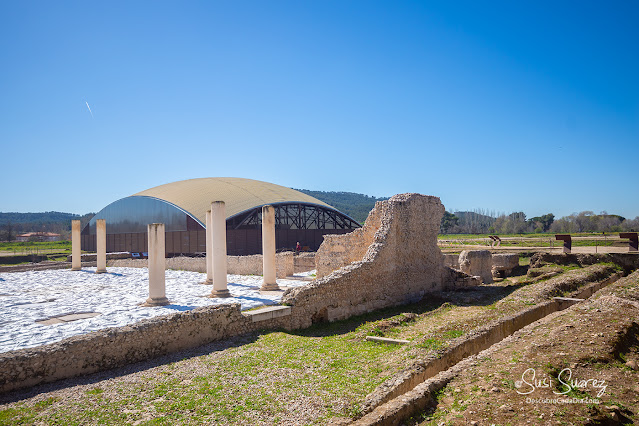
x=157, y=286
x=218, y=227
x=268, y=249
x=209, y=248
x=76, y=250
x=100, y=240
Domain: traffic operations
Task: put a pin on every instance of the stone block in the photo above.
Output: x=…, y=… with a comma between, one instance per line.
x=477, y=262
x=268, y=313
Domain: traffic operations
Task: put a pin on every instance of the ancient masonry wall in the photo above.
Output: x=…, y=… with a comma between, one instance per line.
x=304, y=262
x=239, y=265
x=115, y=347
x=400, y=265
x=338, y=251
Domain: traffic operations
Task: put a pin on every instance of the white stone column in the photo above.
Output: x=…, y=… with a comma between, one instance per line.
x=218, y=229
x=76, y=250
x=269, y=282
x=209, y=249
x=157, y=287
x=100, y=240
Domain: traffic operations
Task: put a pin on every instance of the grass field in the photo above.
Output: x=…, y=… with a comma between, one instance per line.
x=59, y=249
x=531, y=240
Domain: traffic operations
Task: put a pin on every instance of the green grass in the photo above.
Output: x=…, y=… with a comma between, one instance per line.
x=24, y=248
x=530, y=240
x=328, y=360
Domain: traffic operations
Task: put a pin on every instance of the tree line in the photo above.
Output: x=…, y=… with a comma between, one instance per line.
x=357, y=206
x=481, y=222
x=14, y=224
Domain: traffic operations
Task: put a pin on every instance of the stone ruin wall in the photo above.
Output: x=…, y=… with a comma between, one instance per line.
x=238, y=265
x=337, y=251
x=304, y=262
x=119, y=346
x=400, y=265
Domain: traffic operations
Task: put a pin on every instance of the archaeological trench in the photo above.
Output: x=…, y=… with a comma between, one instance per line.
x=394, y=260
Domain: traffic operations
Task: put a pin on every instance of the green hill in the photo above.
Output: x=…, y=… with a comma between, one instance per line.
x=354, y=205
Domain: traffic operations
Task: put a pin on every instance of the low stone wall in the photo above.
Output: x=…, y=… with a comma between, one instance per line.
x=92, y=257
x=337, y=251
x=238, y=265
x=304, y=262
x=452, y=261
x=252, y=265
x=115, y=347
x=400, y=264
x=477, y=262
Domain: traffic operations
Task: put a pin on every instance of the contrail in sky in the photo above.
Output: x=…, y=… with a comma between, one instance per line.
x=89, y=108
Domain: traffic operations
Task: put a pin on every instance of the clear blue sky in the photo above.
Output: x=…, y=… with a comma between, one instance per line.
x=506, y=106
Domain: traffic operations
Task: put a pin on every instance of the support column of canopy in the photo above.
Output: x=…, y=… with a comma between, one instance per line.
x=76, y=250
x=269, y=282
x=218, y=228
x=209, y=249
x=100, y=240
x=157, y=281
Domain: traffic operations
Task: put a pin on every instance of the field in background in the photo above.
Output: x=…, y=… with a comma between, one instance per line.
x=581, y=242
x=53, y=250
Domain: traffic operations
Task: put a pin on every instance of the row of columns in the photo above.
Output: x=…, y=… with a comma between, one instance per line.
x=100, y=240
x=216, y=266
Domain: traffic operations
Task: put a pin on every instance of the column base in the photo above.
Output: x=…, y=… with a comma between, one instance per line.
x=220, y=293
x=161, y=301
x=270, y=287
x=207, y=282
x=100, y=271
x=77, y=268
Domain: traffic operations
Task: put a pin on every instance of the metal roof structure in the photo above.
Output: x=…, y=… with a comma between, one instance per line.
x=196, y=195
x=182, y=206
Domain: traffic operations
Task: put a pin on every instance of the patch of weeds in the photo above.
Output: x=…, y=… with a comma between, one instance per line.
x=44, y=403
x=376, y=331
x=20, y=415
x=94, y=391
x=440, y=394
x=452, y=334
x=432, y=344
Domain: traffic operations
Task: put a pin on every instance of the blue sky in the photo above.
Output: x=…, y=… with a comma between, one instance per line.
x=505, y=106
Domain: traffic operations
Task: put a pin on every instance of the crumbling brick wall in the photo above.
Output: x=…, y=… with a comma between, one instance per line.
x=400, y=264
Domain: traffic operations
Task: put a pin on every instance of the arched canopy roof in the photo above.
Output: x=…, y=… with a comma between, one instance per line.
x=195, y=195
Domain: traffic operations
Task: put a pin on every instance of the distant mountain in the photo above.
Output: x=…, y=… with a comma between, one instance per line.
x=354, y=205
x=37, y=218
